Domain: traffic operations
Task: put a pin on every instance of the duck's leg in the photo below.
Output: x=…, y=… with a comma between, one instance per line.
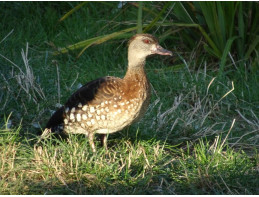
x=91, y=141
x=104, y=141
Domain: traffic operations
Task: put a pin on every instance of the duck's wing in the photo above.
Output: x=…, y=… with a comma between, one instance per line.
x=92, y=93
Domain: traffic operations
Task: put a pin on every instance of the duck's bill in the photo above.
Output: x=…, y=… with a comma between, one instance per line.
x=161, y=51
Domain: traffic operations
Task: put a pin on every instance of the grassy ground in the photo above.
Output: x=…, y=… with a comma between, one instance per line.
x=199, y=136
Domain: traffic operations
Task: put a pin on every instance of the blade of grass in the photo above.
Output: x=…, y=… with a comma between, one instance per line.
x=182, y=13
x=72, y=11
x=241, y=31
x=7, y=36
x=222, y=144
x=252, y=47
x=186, y=12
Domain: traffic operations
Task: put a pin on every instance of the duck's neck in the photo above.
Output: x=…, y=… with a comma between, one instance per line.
x=135, y=66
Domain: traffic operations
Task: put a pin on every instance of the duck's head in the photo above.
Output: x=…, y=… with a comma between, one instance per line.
x=143, y=45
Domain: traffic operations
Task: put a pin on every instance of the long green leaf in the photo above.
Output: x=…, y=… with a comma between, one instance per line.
x=221, y=22
x=97, y=40
x=139, y=21
x=224, y=55
x=230, y=17
x=241, y=31
x=78, y=45
x=157, y=17
x=181, y=12
x=146, y=9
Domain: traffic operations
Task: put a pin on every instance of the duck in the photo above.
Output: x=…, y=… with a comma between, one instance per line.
x=109, y=104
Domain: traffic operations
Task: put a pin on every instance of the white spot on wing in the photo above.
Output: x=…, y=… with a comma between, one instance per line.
x=84, y=116
x=92, y=110
x=72, y=117
x=84, y=108
x=78, y=117
x=65, y=121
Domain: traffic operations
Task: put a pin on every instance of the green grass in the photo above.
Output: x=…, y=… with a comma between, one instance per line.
x=199, y=136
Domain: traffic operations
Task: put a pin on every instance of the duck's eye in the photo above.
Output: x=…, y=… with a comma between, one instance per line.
x=146, y=41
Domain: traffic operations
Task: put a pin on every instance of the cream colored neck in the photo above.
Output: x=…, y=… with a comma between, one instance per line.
x=136, y=63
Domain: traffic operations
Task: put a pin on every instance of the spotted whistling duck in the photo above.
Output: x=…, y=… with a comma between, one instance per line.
x=109, y=104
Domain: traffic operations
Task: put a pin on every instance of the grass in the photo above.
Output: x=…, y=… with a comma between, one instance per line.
x=199, y=135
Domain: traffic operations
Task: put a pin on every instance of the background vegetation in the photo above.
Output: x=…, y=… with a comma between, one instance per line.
x=201, y=132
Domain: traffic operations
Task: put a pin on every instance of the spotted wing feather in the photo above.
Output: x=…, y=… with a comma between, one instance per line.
x=93, y=92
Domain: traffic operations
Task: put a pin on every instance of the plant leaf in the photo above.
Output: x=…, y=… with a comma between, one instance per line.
x=96, y=40
x=157, y=17
x=139, y=21
x=72, y=11
x=224, y=55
